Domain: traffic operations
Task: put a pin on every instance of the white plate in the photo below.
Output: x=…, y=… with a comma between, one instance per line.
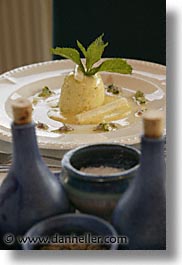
x=28, y=80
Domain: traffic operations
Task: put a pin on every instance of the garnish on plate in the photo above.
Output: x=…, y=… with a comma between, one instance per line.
x=111, y=88
x=106, y=127
x=45, y=93
x=63, y=129
x=114, y=108
x=92, y=55
x=139, y=97
x=42, y=126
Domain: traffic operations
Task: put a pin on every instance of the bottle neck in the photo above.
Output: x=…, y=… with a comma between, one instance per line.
x=25, y=148
x=152, y=149
x=152, y=164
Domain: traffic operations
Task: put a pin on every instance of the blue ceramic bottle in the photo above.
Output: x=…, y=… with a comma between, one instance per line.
x=30, y=192
x=141, y=213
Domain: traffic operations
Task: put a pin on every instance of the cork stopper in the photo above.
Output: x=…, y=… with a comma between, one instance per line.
x=153, y=122
x=22, y=111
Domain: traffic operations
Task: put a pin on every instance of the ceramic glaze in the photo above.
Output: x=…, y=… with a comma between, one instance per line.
x=72, y=224
x=141, y=212
x=93, y=193
x=30, y=192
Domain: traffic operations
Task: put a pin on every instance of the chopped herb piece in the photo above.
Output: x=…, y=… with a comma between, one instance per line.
x=64, y=129
x=113, y=89
x=46, y=92
x=140, y=97
x=106, y=127
x=41, y=125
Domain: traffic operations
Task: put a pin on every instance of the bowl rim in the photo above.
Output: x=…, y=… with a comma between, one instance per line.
x=95, y=177
x=46, y=222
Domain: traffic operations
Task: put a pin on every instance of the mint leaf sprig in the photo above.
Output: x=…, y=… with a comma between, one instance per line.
x=92, y=55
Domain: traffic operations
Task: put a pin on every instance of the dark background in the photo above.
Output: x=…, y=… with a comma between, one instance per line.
x=134, y=29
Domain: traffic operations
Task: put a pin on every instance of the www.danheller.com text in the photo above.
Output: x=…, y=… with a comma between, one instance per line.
x=88, y=238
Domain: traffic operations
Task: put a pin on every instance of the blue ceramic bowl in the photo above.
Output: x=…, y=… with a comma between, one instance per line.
x=96, y=194
x=69, y=224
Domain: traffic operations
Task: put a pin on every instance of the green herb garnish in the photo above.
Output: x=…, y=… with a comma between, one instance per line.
x=140, y=97
x=113, y=89
x=46, y=92
x=92, y=55
x=63, y=129
x=106, y=127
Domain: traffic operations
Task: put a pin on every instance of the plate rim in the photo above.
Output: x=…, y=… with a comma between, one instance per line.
x=35, y=65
